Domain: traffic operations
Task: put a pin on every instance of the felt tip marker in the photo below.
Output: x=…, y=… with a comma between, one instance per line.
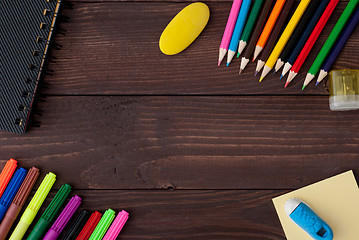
x=63, y=219
x=78, y=225
x=11, y=191
x=116, y=226
x=89, y=226
x=50, y=213
x=34, y=206
x=103, y=225
x=6, y=174
x=18, y=202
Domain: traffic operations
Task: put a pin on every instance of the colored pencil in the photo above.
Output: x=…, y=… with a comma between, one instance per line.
x=6, y=174
x=328, y=45
x=274, y=36
x=257, y=31
x=229, y=29
x=247, y=31
x=307, y=16
x=268, y=27
x=304, y=37
x=338, y=46
x=284, y=38
x=311, y=41
x=241, y=20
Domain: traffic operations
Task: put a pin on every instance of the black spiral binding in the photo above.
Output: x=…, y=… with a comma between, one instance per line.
x=26, y=32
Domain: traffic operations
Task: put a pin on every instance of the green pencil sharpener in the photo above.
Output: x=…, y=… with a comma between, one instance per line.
x=344, y=90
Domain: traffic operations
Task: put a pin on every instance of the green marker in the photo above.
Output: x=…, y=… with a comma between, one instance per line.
x=103, y=225
x=328, y=45
x=249, y=25
x=50, y=213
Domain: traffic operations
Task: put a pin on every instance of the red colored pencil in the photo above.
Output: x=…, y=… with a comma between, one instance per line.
x=311, y=41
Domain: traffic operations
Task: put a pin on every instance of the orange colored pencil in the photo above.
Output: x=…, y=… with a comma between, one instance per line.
x=6, y=174
x=268, y=27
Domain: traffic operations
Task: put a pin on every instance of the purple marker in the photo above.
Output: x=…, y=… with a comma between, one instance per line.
x=63, y=219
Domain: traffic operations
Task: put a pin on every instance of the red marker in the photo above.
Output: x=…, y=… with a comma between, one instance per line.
x=89, y=226
x=6, y=174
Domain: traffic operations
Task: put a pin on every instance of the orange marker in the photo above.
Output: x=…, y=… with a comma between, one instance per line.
x=6, y=174
x=268, y=27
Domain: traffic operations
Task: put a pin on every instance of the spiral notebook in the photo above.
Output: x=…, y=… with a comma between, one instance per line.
x=26, y=31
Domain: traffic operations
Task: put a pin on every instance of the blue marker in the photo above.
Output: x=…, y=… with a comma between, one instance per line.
x=308, y=220
x=303, y=39
x=11, y=191
x=241, y=20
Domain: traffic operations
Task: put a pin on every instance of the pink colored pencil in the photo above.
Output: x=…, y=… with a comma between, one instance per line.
x=311, y=41
x=116, y=226
x=227, y=35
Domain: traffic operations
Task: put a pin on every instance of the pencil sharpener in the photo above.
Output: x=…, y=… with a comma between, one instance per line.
x=308, y=220
x=344, y=90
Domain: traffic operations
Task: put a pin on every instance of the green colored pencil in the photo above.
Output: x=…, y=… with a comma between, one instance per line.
x=328, y=45
x=249, y=25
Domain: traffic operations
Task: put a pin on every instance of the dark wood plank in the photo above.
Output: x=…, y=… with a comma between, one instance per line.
x=112, y=48
x=247, y=215
x=281, y=142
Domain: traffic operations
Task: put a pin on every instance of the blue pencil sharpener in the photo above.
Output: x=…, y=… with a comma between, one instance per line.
x=308, y=220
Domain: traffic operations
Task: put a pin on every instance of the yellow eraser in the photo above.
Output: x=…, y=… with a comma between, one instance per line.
x=184, y=28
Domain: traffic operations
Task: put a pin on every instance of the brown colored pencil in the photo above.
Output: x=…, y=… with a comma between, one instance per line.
x=257, y=31
x=274, y=36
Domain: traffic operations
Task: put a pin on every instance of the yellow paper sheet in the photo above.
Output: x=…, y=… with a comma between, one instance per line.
x=335, y=200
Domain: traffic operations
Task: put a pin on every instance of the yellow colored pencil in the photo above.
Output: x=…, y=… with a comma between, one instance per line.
x=284, y=37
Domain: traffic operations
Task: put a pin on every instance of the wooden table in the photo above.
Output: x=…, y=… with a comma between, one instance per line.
x=190, y=150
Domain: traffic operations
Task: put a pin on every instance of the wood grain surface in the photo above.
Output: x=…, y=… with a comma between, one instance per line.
x=190, y=150
x=189, y=142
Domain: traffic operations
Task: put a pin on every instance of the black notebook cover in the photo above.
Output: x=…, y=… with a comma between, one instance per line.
x=26, y=30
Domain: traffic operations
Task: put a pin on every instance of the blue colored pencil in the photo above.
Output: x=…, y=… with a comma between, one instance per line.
x=338, y=46
x=241, y=20
x=303, y=39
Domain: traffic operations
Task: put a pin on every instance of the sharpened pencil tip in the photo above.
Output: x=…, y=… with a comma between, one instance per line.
x=238, y=54
x=281, y=76
x=286, y=84
x=274, y=72
x=261, y=79
x=256, y=73
x=303, y=87
x=219, y=63
x=227, y=64
x=240, y=71
x=316, y=84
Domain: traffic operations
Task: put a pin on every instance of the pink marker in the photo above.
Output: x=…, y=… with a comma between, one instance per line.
x=227, y=35
x=116, y=226
x=65, y=216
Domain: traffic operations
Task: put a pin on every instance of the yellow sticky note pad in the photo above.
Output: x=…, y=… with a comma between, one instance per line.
x=335, y=200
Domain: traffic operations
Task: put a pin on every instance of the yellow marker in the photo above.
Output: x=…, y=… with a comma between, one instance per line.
x=34, y=206
x=284, y=37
